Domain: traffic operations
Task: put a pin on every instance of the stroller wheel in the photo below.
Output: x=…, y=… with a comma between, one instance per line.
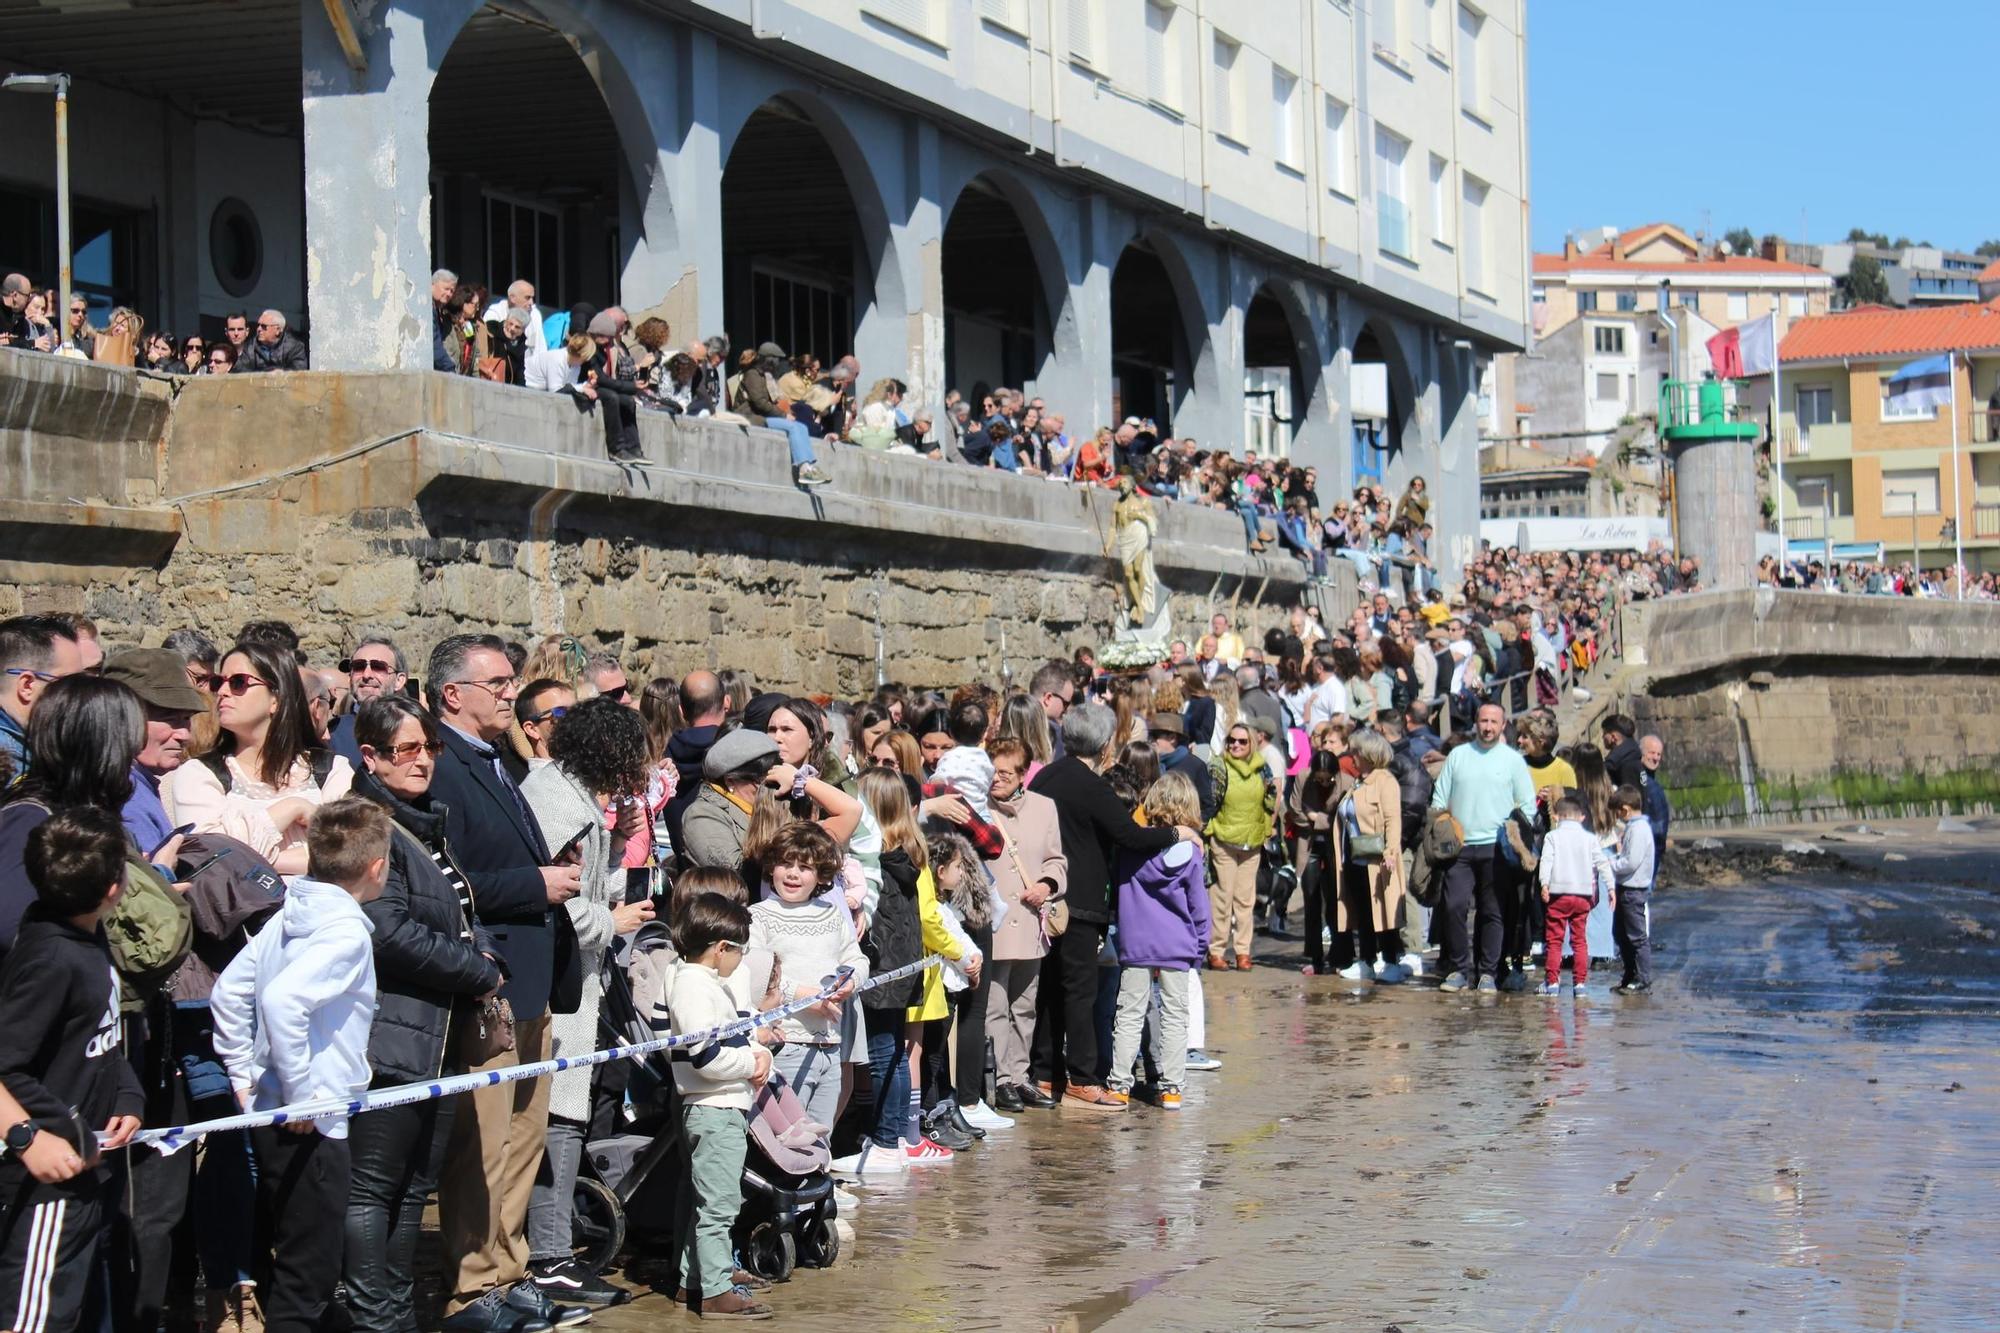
x=819, y=1243
x=770, y=1252
x=597, y=1224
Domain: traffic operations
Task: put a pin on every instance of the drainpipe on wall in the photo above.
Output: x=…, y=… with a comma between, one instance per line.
x=1201, y=110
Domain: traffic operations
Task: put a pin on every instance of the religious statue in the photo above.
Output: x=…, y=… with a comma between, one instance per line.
x=1133, y=524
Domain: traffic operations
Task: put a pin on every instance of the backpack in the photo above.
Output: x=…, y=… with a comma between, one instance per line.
x=150, y=931
x=231, y=892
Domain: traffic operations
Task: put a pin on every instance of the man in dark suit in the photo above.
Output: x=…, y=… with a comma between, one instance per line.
x=499, y=1132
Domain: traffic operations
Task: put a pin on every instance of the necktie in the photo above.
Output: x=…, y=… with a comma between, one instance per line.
x=506, y=780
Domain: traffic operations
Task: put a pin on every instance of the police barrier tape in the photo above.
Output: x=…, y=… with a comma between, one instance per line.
x=171, y=1140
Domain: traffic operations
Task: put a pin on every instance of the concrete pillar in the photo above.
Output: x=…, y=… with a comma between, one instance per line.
x=1079, y=373
x=1715, y=507
x=922, y=239
x=1343, y=328
x=1455, y=484
x=1318, y=441
x=367, y=174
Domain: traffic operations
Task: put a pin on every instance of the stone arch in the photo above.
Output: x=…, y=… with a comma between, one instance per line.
x=1275, y=323
x=1055, y=318
x=536, y=166
x=1378, y=338
x=1190, y=359
x=875, y=275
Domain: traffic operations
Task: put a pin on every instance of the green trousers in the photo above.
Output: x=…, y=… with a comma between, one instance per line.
x=715, y=1137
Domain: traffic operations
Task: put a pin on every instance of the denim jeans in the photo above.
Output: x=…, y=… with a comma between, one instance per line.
x=554, y=1195
x=889, y=1070
x=1248, y=513
x=797, y=435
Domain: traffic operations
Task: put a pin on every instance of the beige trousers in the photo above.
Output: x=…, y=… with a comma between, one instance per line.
x=1232, y=900
x=497, y=1139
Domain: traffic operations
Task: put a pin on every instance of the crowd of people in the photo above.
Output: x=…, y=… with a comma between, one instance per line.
x=232, y=878
x=1878, y=578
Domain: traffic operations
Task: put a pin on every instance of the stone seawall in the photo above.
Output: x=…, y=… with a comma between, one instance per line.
x=1789, y=705
x=422, y=505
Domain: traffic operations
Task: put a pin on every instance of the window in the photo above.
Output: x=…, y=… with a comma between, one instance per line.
x=924, y=18
x=1227, y=112
x=1440, y=202
x=1899, y=485
x=1586, y=302
x=1339, y=149
x=1472, y=247
x=1388, y=30
x=1608, y=339
x=1163, y=58
x=1471, y=90
x=1815, y=404
x=1009, y=14
x=524, y=240
x=1437, y=27
x=1392, y=210
x=1285, y=117
x=1082, y=32
x=1739, y=307
x=1627, y=301
x=1607, y=387
x=1795, y=305
x=1689, y=299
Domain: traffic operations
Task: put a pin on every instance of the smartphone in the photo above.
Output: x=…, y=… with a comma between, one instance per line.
x=189, y=875
x=180, y=832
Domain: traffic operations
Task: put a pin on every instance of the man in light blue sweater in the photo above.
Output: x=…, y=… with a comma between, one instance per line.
x=1482, y=784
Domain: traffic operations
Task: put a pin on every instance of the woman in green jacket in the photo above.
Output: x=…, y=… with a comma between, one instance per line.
x=1246, y=800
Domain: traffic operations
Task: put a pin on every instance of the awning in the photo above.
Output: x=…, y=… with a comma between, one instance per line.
x=1922, y=370
x=1814, y=548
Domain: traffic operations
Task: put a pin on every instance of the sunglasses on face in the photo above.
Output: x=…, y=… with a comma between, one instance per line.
x=242, y=682
x=731, y=945
x=407, y=752
x=43, y=676
x=1235, y=741
x=618, y=695
x=355, y=666
x=555, y=714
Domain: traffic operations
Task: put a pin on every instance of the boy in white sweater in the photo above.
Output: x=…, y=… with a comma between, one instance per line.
x=716, y=1078
x=292, y=1013
x=1573, y=871
x=812, y=937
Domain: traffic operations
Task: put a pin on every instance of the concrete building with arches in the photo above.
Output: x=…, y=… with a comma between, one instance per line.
x=1207, y=214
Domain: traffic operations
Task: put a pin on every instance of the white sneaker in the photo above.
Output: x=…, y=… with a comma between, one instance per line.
x=1356, y=972
x=872, y=1160
x=1389, y=974
x=1412, y=965
x=985, y=1117
x=843, y=1201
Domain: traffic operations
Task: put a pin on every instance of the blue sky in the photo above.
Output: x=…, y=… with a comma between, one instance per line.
x=1753, y=112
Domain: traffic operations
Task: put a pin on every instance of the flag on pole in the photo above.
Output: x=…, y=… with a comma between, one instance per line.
x=1920, y=388
x=1746, y=350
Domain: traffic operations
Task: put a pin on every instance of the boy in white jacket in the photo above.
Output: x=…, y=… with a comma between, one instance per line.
x=716, y=1078
x=292, y=1013
x=1573, y=871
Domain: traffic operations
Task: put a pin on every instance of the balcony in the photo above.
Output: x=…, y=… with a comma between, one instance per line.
x=1822, y=440
x=1985, y=521
x=1986, y=425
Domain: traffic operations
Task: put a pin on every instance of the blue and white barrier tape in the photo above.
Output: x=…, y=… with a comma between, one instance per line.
x=171, y=1140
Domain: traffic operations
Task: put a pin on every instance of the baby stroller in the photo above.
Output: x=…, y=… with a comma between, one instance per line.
x=788, y=1208
x=629, y=1188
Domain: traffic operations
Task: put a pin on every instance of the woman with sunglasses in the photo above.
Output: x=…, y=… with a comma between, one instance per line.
x=433, y=964
x=193, y=354
x=1246, y=799
x=268, y=771
x=221, y=359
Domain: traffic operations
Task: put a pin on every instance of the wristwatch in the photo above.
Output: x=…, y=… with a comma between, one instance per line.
x=20, y=1136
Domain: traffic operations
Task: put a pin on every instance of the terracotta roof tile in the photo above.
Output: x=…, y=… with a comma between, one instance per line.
x=1878, y=331
x=1991, y=273
x=1598, y=261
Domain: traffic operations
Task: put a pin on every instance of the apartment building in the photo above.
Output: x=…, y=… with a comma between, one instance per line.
x=1875, y=457
x=1204, y=213
x=1917, y=275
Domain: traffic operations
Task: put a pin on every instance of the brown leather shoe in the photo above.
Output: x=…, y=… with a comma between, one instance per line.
x=1217, y=963
x=1242, y=962
x=1091, y=1099
x=731, y=1304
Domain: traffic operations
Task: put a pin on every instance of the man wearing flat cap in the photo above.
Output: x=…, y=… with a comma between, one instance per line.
x=159, y=678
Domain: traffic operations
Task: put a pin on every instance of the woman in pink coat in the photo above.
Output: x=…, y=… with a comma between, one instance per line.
x=1032, y=872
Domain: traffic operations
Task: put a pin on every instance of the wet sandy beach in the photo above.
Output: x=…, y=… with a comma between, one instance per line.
x=1799, y=1128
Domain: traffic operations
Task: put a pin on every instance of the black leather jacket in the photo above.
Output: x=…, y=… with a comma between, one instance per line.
x=425, y=968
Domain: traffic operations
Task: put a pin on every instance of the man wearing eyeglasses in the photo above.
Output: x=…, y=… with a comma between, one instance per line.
x=34, y=650
x=542, y=704
x=374, y=669
x=1054, y=688
x=273, y=348
x=607, y=676
x=498, y=1136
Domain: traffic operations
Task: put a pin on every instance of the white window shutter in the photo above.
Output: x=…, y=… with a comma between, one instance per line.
x=1082, y=32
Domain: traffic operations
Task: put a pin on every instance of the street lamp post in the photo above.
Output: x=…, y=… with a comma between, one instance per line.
x=59, y=85
x=1916, y=552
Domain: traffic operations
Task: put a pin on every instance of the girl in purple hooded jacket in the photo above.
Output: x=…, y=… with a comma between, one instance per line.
x=1163, y=920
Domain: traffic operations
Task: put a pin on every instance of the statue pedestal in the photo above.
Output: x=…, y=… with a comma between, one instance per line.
x=1159, y=632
